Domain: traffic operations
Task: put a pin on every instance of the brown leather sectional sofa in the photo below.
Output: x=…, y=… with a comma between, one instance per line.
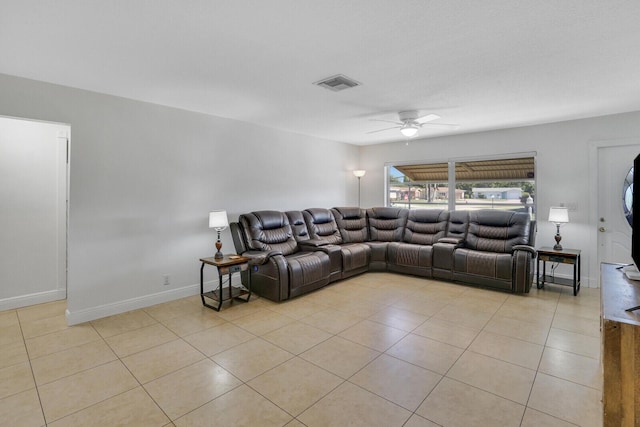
x=296, y=252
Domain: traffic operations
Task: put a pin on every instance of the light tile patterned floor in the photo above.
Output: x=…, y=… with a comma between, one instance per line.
x=379, y=349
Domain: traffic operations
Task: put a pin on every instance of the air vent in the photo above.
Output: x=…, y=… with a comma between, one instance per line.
x=337, y=83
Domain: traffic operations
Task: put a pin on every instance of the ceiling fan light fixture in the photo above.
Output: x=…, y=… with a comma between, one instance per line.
x=409, y=130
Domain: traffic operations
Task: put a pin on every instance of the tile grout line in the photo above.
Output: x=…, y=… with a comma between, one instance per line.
x=33, y=376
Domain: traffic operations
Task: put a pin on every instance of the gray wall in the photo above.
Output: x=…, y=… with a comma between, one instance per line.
x=144, y=178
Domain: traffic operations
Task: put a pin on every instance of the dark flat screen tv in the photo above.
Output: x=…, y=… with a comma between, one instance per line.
x=633, y=271
x=635, y=219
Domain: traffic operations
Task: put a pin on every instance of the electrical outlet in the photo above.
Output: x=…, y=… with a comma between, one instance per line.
x=166, y=280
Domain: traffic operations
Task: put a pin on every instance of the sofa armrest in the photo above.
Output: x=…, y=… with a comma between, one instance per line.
x=522, y=276
x=443, y=252
x=325, y=247
x=451, y=240
x=259, y=257
x=527, y=248
x=313, y=243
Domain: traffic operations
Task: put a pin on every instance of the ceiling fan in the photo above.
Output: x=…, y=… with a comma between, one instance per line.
x=410, y=122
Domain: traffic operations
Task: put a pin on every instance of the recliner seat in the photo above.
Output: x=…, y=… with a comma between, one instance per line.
x=280, y=269
x=487, y=255
x=414, y=253
x=356, y=254
x=386, y=225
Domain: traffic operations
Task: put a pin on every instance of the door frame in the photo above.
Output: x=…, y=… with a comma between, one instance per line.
x=61, y=292
x=594, y=181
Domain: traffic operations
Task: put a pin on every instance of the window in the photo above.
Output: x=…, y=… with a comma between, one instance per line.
x=410, y=187
x=506, y=184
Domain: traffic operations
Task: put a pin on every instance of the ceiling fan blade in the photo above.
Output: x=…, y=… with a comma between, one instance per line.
x=427, y=118
x=386, y=121
x=442, y=125
x=382, y=130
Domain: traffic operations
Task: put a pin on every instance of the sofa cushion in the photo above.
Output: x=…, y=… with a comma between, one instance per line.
x=410, y=258
x=497, y=231
x=322, y=225
x=352, y=223
x=355, y=258
x=308, y=271
x=425, y=226
x=488, y=264
x=386, y=224
x=268, y=231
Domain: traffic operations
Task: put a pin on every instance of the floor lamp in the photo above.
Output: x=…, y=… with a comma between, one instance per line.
x=359, y=174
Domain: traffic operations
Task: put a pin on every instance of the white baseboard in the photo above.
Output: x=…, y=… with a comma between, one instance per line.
x=85, y=315
x=32, y=299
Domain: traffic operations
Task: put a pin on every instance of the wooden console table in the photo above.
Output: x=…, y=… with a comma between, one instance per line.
x=620, y=347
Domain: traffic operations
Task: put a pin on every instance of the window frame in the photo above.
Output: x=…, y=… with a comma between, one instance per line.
x=451, y=173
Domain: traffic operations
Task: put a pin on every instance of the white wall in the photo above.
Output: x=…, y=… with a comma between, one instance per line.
x=144, y=177
x=565, y=171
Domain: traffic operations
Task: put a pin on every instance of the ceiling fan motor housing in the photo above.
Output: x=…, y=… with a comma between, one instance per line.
x=410, y=115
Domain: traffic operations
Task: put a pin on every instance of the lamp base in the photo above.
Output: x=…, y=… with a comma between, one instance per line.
x=557, y=246
x=218, y=255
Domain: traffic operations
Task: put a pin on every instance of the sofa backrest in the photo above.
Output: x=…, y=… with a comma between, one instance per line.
x=352, y=223
x=239, y=237
x=458, y=224
x=268, y=231
x=425, y=226
x=322, y=225
x=298, y=225
x=386, y=224
x=497, y=231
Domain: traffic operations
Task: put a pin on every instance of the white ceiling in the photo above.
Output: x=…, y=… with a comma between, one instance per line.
x=481, y=64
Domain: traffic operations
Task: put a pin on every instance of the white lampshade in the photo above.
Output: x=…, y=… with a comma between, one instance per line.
x=359, y=173
x=218, y=220
x=409, y=130
x=558, y=215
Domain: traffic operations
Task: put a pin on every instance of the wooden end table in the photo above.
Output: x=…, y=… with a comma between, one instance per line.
x=563, y=256
x=226, y=266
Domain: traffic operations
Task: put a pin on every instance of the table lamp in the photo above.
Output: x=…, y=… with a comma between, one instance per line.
x=218, y=221
x=558, y=215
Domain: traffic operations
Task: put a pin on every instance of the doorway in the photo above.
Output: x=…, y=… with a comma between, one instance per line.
x=614, y=231
x=33, y=212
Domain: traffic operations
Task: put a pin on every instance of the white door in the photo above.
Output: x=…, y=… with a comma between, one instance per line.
x=33, y=212
x=614, y=231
